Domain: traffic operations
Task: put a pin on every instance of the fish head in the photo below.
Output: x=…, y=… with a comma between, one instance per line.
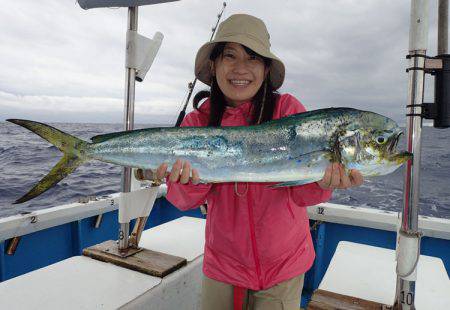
x=369, y=144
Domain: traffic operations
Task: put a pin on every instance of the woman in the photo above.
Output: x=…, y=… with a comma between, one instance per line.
x=257, y=240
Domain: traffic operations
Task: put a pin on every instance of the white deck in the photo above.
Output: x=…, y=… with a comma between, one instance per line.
x=368, y=272
x=84, y=283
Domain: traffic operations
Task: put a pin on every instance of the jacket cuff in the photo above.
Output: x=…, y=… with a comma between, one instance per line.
x=186, y=196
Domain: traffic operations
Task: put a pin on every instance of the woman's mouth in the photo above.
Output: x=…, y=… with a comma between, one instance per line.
x=239, y=83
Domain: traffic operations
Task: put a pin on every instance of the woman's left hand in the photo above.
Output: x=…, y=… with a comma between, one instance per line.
x=335, y=177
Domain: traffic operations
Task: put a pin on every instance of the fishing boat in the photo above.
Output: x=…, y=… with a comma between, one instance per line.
x=134, y=250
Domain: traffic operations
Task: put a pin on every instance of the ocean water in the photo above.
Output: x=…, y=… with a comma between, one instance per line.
x=25, y=158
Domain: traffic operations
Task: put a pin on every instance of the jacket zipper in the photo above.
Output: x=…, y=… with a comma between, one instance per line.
x=253, y=238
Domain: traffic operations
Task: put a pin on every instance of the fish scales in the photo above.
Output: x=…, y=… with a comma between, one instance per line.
x=268, y=152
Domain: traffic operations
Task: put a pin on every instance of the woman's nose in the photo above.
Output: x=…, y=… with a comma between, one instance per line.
x=240, y=66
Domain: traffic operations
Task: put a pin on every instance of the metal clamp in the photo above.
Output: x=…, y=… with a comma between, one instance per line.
x=431, y=63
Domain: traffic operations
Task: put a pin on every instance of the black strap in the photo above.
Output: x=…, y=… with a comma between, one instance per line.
x=419, y=55
x=415, y=68
x=414, y=105
x=414, y=114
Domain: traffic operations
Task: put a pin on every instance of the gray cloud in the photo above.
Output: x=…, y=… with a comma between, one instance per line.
x=61, y=63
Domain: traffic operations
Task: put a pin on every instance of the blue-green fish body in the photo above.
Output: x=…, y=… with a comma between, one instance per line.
x=292, y=150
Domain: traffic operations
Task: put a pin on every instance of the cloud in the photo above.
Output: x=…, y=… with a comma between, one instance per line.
x=62, y=63
x=82, y=109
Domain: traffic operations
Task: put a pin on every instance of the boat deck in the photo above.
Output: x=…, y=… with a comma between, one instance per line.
x=83, y=283
x=368, y=273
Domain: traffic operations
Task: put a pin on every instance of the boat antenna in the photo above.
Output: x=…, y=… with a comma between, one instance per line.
x=191, y=85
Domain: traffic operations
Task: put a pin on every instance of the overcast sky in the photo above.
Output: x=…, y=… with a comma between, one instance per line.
x=60, y=63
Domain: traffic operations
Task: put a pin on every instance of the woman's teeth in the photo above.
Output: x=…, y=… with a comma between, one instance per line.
x=240, y=82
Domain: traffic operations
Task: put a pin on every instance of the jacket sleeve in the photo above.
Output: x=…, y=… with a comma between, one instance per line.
x=187, y=196
x=308, y=194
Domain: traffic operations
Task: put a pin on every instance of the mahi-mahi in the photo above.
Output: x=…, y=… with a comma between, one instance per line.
x=292, y=150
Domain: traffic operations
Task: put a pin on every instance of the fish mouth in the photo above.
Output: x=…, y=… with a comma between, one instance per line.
x=399, y=157
x=391, y=148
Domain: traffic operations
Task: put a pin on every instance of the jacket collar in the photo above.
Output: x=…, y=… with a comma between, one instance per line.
x=243, y=108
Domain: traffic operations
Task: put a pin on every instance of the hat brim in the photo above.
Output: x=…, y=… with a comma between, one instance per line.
x=203, y=64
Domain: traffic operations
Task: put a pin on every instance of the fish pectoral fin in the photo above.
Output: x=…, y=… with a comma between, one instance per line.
x=291, y=183
x=313, y=156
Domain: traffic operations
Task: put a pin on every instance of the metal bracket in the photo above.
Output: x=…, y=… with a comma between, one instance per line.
x=431, y=63
x=428, y=110
x=141, y=51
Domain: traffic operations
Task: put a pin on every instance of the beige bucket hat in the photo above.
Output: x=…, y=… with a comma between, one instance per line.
x=248, y=31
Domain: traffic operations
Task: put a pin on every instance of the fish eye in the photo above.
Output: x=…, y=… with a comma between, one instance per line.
x=381, y=140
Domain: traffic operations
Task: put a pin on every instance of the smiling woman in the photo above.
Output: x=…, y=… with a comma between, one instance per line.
x=258, y=245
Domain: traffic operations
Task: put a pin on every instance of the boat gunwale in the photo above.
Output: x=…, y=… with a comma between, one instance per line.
x=23, y=224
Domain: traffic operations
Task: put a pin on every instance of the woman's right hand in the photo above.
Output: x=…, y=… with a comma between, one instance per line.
x=181, y=172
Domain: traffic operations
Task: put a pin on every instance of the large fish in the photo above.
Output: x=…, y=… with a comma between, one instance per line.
x=291, y=151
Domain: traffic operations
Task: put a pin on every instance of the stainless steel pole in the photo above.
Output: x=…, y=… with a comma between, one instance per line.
x=418, y=36
x=130, y=78
x=442, y=27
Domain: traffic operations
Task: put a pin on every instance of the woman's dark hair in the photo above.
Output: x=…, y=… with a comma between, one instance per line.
x=217, y=98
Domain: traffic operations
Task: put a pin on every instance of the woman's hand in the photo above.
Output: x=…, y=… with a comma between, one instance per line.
x=181, y=172
x=335, y=177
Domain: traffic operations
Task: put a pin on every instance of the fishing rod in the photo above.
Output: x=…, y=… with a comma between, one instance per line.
x=191, y=85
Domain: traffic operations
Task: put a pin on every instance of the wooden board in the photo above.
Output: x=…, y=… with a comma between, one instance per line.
x=146, y=261
x=324, y=300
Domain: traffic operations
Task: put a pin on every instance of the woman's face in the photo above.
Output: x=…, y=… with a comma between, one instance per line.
x=239, y=74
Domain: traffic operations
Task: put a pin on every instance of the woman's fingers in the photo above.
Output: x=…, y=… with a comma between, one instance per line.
x=326, y=180
x=335, y=176
x=195, y=177
x=181, y=172
x=161, y=171
x=176, y=170
x=356, y=177
x=345, y=180
x=185, y=173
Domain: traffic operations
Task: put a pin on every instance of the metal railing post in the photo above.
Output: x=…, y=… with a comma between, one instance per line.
x=405, y=292
x=130, y=78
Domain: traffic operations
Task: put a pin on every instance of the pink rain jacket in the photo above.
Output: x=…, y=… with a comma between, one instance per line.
x=259, y=236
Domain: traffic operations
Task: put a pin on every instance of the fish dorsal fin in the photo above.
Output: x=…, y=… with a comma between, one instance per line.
x=107, y=136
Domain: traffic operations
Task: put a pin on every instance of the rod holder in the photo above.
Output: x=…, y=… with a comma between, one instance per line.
x=442, y=93
x=439, y=110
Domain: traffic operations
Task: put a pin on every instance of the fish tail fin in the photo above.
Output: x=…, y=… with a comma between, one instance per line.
x=74, y=150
